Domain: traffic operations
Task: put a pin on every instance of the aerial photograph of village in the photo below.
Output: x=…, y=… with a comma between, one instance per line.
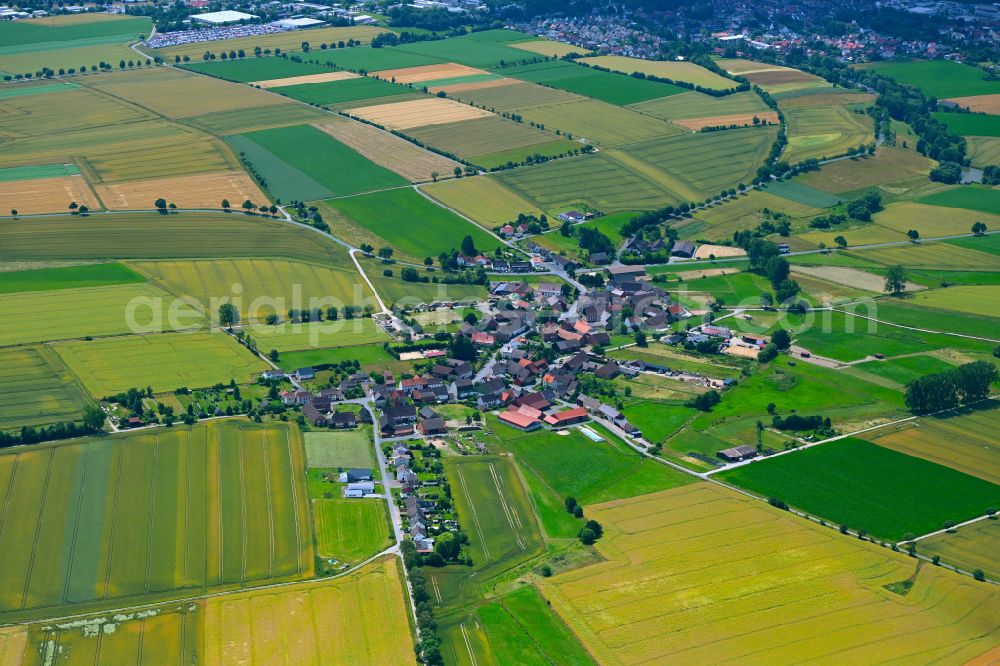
x=499, y=332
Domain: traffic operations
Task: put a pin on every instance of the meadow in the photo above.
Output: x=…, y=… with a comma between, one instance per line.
x=259, y=287
x=351, y=530
x=976, y=300
x=742, y=212
x=88, y=311
x=969, y=548
x=412, y=224
x=151, y=515
x=371, y=357
x=346, y=449
x=390, y=151
x=971, y=124
x=393, y=290
x=164, y=361
x=965, y=440
x=596, y=84
x=868, y=487
x=802, y=194
x=286, y=41
x=304, y=163
x=36, y=389
x=938, y=78
x=363, y=615
x=289, y=336
x=702, y=574
x=665, y=69
x=972, y=197
x=154, y=236
x=486, y=200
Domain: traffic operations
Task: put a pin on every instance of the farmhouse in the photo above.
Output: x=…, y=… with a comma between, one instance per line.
x=620, y=274
x=359, y=489
x=684, y=249
x=738, y=453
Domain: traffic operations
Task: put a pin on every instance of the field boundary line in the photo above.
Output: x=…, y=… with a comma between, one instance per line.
x=38, y=527
x=911, y=328
x=512, y=518
x=9, y=492
x=76, y=523
x=218, y=498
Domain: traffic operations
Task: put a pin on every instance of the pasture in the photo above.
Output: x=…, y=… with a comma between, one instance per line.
x=286, y=41
x=333, y=449
x=600, y=181
x=492, y=141
x=824, y=131
x=605, y=86
x=412, y=224
x=701, y=574
x=154, y=236
x=351, y=530
x=36, y=389
x=357, y=89
x=201, y=191
x=152, y=515
x=304, y=163
x=75, y=313
x=966, y=440
x=664, y=69
x=363, y=615
x=289, y=336
x=163, y=361
x=259, y=287
x=869, y=487
x=969, y=548
x=971, y=124
x=938, y=78
x=486, y=200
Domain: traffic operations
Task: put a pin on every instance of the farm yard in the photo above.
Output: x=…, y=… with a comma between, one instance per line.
x=165, y=361
x=184, y=504
x=791, y=588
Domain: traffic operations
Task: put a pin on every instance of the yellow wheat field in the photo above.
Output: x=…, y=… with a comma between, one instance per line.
x=45, y=195
x=980, y=103
x=202, y=191
x=701, y=574
x=419, y=112
x=448, y=70
x=308, y=78
x=359, y=619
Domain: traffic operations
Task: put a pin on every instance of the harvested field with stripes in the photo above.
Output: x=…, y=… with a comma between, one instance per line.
x=36, y=388
x=324, y=77
x=980, y=103
x=46, y=195
x=418, y=113
x=201, y=191
x=258, y=286
x=701, y=573
x=739, y=119
x=163, y=361
x=388, y=150
x=448, y=70
x=134, y=518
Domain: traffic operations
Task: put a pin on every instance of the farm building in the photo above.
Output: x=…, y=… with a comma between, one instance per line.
x=359, y=489
x=684, y=249
x=356, y=474
x=567, y=417
x=523, y=418
x=221, y=18
x=738, y=453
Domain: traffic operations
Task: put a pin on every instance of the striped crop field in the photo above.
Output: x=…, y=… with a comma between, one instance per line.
x=134, y=518
x=36, y=388
x=163, y=361
x=351, y=530
x=701, y=574
x=259, y=286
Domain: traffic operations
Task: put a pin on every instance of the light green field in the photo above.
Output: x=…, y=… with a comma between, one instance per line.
x=262, y=286
x=334, y=449
x=326, y=334
x=483, y=199
x=37, y=171
x=165, y=362
x=969, y=548
x=260, y=118
x=983, y=150
x=598, y=122
x=665, y=69
x=492, y=141
x=129, y=519
x=743, y=212
x=897, y=168
x=824, y=131
x=75, y=313
x=36, y=388
x=932, y=221
x=698, y=105
x=934, y=256
x=350, y=530
x=394, y=291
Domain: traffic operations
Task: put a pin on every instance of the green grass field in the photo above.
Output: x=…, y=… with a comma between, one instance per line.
x=371, y=357
x=938, y=78
x=304, y=163
x=339, y=92
x=802, y=194
x=333, y=449
x=971, y=124
x=246, y=70
x=477, y=49
x=21, y=91
x=326, y=334
x=824, y=131
x=165, y=362
x=127, y=519
x=350, y=530
x=971, y=197
x=658, y=421
x=411, y=224
x=698, y=105
x=36, y=389
x=492, y=141
x=906, y=368
x=68, y=277
x=44, y=31
x=868, y=487
x=37, y=171
x=675, y=70
x=608, y=87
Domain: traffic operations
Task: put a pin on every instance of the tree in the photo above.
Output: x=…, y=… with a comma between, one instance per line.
x=84, y=210
x=705, y=401
x=469, y=247
x=979, y=228
x=781, y=339
x=595, y=527
x=471, y=319
x=458, y=172
x=895, y=280
x=93, y=417
x=385, y=253
x=840, y=241
x=434, y=176
x=73, y=206
x=777, y=270
x=248, y=206
x=462, y=348
x=570, y=503
x=225, y=205
x=640, y=339
x=447, y=546
x=587, y=536
x=913, y=234
x=979, y=575
x=13, y=212
x=766, y=300
x=973, y=380
x=228, y=315
x=161, y=205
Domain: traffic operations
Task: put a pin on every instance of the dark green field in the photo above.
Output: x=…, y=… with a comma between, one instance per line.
x=971, y=197
x=20, y=33
x=250, y=69
x=69, y=277
x=970, y=124
x=304, y=163
x=605, y=86
x=939, y=78
x=349, y=90
x=867, y=487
